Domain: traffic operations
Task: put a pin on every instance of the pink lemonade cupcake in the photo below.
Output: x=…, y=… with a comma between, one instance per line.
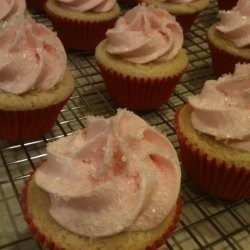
x=185, y=11
x=82, y=24
x=229, y=39
x=214, y=131
x=10, y=8
x=226, y=4
x=36, y=5
x=34, y=82
x=142, y=59
x=115, y=184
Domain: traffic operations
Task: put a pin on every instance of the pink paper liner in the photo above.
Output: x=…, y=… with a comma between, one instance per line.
x=79, y=35
x=226, y=4
x=138, y=93
x=37, y=5
x=186, y=21
x=219, y=179
x=223, y=62
x=29, y=124
x=52, y=246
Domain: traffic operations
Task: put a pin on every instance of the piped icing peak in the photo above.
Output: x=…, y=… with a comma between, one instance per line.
x=118, y=174
x=222, y=109
x=89, y=5
x=10, y=8
x=32, y=56
x=235, y=24
x=145, y=34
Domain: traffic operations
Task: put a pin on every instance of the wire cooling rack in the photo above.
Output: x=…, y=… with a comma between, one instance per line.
x=206, y=222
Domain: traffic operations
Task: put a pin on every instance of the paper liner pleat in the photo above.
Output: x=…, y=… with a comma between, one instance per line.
x=52, y=245
x=220, y=179
x=186, y=21
x=226, y=4
x=77, y=34
x=138, y=93
x=37, y=5
x=29, y=124
x=223, y=62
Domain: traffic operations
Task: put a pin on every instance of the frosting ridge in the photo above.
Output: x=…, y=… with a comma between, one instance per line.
x=222, y=109
x=118, y=174
x=145, y=34
x=29, y=51
x=235, y=24
x=10, y=8
x=89, y=5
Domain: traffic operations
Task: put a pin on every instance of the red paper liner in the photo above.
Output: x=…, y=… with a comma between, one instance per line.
x=77, y=34
x=52, y=246
x=223, y=62
x=226, y=4
x=128, y=1
x=186, y=21
x=218, y=179
x=29, y=124
x=138, y=93
x=37, y=5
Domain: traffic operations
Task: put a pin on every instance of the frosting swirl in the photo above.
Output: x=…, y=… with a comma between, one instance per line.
x=32, y=57
x=222, y=109
x=10, y=8
x=119, y=174
x=89, y=5
x=235, y=24
x=145, y=34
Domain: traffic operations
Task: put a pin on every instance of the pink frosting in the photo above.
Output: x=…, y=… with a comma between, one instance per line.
x=222, y=109
x=89, y=5
x=31, y=56
x=10, y=8
x=235, y=23
x=118, y=174
x=145, y=34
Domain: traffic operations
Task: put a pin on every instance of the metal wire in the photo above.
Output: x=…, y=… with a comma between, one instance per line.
x=206, y=222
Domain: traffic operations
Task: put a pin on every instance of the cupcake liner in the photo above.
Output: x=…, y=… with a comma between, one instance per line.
x=138, y=93
x=226, y=4
x=77, y=34
x=128, y=1
x=186, y=21
x=37, y=5
x=28, y=124
x=220, y=179
x=223, y=62
x=52, y=246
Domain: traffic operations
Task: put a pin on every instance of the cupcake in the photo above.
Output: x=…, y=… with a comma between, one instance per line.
x=214, y=131
x=226, y=4
x=114, y=185
x=11, y=8
x=229, y=39
x=36, y=5
x=142, y=59
x=82, y=25
x=34, y=82
x=186, y=11
x=128, y=1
